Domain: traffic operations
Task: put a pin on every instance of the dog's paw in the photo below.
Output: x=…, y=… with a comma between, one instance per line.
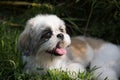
x=74, y=69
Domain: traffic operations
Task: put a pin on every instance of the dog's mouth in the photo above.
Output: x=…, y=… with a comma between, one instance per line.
x=58, y=50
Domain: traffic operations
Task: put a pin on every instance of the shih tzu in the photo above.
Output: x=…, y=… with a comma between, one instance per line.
x=45, y=44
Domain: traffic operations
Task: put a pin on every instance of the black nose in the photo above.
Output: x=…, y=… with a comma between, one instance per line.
x=60, y=36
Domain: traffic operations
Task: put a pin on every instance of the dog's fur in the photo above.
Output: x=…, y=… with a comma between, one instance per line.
x=41, y=36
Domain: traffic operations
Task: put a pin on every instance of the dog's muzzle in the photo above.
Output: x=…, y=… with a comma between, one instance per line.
x=60, y=36
x=58, y=50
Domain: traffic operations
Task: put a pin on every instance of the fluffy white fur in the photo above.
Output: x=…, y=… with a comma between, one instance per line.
x=81, y=52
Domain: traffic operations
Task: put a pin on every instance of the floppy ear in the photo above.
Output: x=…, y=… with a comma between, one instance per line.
x=28, y=42
x=24, y=42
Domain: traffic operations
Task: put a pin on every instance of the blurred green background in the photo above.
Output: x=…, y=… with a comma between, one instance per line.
x=98, y=18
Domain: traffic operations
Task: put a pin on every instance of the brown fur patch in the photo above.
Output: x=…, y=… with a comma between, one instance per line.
x=78, y=48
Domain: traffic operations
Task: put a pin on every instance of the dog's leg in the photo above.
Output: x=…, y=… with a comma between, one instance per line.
x=76, y=67
x=105, y=73
x=73, y=69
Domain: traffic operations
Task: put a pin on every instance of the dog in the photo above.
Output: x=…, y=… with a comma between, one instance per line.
x=45, y=44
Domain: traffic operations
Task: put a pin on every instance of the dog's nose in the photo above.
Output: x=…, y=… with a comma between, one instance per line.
x=60, y=36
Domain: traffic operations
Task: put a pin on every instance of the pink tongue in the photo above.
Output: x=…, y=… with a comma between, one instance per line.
x=60, y=51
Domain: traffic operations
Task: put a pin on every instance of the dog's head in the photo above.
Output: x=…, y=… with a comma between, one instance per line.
x=44, y=34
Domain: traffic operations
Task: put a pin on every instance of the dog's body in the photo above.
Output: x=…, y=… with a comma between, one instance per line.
x=45, y=44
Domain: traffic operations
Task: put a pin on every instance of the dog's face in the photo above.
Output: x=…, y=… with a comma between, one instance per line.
x=44, y=34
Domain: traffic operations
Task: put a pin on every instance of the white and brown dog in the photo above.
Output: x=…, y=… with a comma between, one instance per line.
x=45, y=44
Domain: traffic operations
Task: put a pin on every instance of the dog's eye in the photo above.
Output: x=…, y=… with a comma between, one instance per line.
x=47, y=34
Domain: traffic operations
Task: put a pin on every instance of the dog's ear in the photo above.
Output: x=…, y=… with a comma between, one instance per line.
x=27, y=42
x=24, y=41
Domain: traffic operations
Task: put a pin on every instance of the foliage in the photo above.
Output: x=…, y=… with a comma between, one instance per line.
x=98, y=18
